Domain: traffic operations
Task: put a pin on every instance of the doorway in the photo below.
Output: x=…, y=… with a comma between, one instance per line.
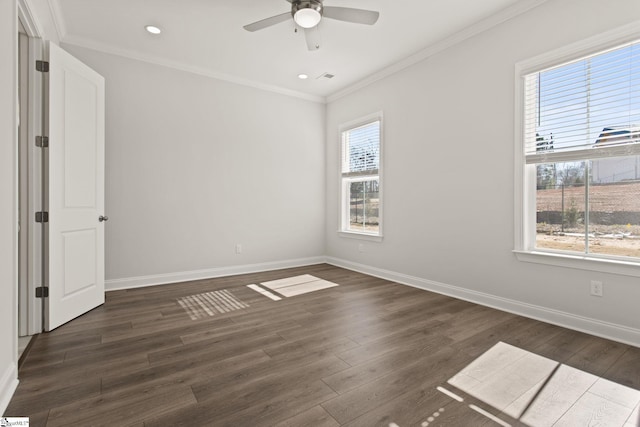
x=60, y=187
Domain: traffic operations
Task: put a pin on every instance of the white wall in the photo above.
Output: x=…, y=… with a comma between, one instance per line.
x=196, y=165
x=449, y=175
x=8, y=203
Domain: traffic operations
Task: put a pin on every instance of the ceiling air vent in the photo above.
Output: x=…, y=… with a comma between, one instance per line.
x=325, y=76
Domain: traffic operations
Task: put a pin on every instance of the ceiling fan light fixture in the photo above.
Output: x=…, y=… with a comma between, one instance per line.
x=307, y=17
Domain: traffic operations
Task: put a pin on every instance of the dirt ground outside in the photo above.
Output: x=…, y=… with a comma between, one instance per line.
x=367, y=228
x=623, y=246
x=614, y=226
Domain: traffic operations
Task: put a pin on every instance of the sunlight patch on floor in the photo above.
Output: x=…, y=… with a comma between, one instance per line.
x=209, y=303
x=264, y=292
x=542, y=392
x=539, y=392
x=298, y=285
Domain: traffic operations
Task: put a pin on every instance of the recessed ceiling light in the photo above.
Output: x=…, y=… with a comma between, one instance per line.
x=303, y=76
x=153, y=29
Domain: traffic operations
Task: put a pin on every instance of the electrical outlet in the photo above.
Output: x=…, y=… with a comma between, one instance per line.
x=238, y=248
x=596, y=288
x=360, y=247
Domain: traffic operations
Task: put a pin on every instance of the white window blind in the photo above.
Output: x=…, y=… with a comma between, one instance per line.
x=585, y=109
x=361, y=150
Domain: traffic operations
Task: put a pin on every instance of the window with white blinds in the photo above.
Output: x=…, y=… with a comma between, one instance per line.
x=361, y=202
x=361, y=150
x=585, y=109
x=580, y=165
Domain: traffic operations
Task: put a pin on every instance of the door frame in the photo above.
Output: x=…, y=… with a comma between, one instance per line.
x=35, y=161
x=38, y=309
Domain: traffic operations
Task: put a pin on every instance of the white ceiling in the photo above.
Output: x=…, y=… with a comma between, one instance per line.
x=206, y=36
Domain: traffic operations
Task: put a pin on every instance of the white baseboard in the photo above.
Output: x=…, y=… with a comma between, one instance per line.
x=591, y=326
x=184, y=276
x=8, y=385
x=595, y=327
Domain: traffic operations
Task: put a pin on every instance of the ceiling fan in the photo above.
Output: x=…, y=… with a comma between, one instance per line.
x=307, y=15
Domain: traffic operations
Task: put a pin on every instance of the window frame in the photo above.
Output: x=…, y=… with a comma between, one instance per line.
x=343, y=182
x=525, y=193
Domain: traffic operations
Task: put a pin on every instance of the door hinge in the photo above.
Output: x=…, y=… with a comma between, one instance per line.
x=42, y=292
x=42, y=141
x=42, y=216
x=42, y=66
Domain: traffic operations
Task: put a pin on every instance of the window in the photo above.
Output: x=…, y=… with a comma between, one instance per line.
x=580, y=163
x=361, y=203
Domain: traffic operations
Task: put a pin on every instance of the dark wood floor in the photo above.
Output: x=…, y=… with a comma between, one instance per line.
x=366, y=353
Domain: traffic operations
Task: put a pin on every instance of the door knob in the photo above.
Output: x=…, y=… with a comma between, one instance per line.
x=103, y=218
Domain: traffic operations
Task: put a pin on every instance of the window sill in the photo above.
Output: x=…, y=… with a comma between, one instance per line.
x=581, y=262
x=360, y=236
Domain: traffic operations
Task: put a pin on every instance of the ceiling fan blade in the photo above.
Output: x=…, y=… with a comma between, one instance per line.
x=312, y=36
x=259, y=25
x=348, y=14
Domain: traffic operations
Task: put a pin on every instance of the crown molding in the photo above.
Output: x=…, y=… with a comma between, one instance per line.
x=484, y=25
x=64, y=37
x=480, y=27
x=155, y=60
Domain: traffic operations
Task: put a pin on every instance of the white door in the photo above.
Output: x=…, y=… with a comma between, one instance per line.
x=75, y=188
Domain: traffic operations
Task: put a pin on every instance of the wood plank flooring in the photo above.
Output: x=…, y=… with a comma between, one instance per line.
x=365, y=353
